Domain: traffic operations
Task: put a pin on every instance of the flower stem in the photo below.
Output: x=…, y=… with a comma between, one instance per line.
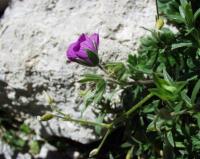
x=157, y=10
x=103, y=69
x=109, y=127
x=111, y=79
x=138, y=105
x=82, y=121
x=120, y=119
x=86, y=122
x=103, y=140
x=127, y=114
x=145, y=82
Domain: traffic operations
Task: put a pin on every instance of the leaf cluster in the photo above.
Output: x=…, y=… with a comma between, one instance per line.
x=167, y=66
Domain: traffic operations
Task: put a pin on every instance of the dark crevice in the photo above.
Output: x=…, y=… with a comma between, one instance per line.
x=3, y=5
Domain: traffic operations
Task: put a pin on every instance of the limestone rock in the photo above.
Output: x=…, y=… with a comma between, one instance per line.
x=34, y=35
x=5, y=151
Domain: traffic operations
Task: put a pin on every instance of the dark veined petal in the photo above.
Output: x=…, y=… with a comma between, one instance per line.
x=88, y=44
x=82, y=38
x=82, y=53
x=95, y=39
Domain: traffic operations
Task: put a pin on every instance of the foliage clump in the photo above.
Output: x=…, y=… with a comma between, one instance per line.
x=158, y=114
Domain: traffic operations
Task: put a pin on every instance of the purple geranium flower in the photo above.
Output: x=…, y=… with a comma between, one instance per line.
x=84, y=50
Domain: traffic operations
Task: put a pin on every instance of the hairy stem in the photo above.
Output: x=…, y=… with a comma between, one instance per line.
x=138, y=105
x=103, y=140
x=81, y=121
x=127, y=114
x=145, y=82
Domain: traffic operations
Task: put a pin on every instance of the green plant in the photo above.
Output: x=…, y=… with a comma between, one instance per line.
x=157, y=112
x=21, y=139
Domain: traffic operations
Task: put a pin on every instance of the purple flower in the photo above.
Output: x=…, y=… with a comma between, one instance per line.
x=85, y=50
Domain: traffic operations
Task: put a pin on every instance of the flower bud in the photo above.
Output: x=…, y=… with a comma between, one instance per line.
x=159, y=23
x=46, y=117
x=94, y=152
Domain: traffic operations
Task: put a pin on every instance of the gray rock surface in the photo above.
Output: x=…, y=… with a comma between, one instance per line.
x=34, y=35
x=5, y=151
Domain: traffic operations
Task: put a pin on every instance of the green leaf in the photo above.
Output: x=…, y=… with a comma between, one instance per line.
x=186, y=12
x=170, y=138
x=182, y=13
x=164, y=85
x=156, y=124
x=186, y=99
x=167, y=76
x=179, y=85
x=152, y=127
x=195, y=91
x=99, y=91
x=19, y=143
x=197, y=117
x=189, y=31
x=180, y=45
x=196, y=14
x=90, y=78
x=129, y=154
x=151, y=107
x=99, y=120
x=179, y=144
x=126, y=145
x=111, y=156
x=88, y=99
x=198, y=52
x=176, y=17
x=192, y=78
x=196, y=141
x=96, y=95
x=25, y=129
x=169, y=88
x=34, y=147
x=164, y=95
x=117, y=70
x=160, y=82
x=170, y=9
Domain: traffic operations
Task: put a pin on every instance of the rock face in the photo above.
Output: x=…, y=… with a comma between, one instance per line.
x=5, y=151
x=34, y=35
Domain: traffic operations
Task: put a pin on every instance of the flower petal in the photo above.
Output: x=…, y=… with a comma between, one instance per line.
x=84, y=50
x=71, y=53
x=82, y=53
x=88, y=45
x=82, y=38
x=95, y=39
x=74, y=48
